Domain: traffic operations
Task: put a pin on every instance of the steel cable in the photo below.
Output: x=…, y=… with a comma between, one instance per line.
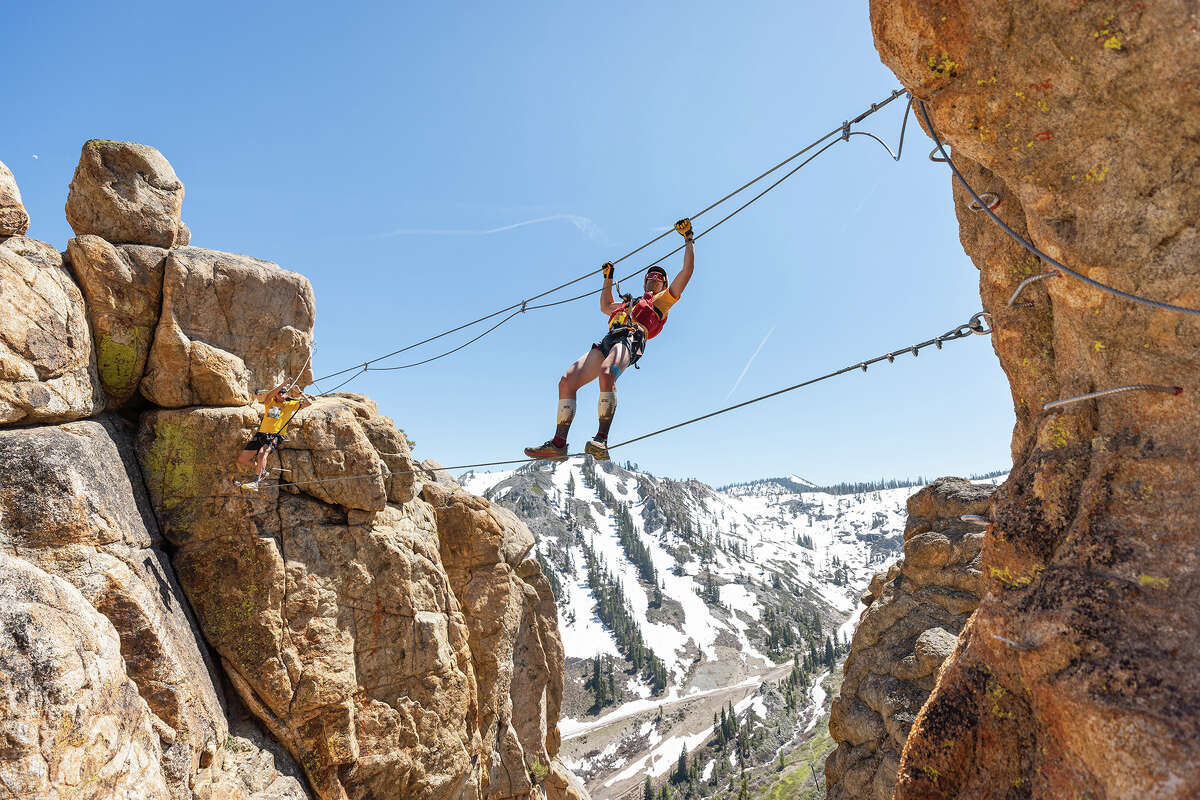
x=524, y=305
x=976, y=325
x=1033, y=248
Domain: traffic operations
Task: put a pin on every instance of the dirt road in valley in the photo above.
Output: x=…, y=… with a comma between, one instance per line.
x=620, y=731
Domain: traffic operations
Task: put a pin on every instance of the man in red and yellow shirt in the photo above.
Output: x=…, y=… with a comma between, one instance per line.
x=629, y=327
x=280, y=405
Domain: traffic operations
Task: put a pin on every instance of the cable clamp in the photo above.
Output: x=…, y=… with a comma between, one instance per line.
x=846, y=131
x=916, y=351
x=891, y=357
x=523, y=304
x=863, y=366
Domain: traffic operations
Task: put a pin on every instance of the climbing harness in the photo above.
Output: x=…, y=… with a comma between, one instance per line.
x=527, y=304
x=1033, y=248
x=978, y=324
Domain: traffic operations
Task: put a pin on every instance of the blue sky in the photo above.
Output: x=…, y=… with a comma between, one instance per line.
x=392, y=152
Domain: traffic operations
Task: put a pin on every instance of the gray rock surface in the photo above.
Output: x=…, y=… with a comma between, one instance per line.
x=72, y=722
x=914, y=614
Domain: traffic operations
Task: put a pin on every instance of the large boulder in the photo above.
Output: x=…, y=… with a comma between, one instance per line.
x=47, y=369
x=73, y=505
x=13, y=218
x=126, y=193
x=72, y=722
x=913, y=616
x=122, y=285
x=1079, y=674
x=230, y=325
x=336, y=623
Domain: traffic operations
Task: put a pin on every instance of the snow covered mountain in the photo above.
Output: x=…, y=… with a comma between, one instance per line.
x=671, y=592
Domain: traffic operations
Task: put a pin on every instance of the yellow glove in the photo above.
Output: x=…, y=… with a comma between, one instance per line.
x=684, y=226
x=608, y=269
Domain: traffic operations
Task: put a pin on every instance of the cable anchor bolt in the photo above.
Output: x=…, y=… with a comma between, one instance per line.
x=990, y=199
x=1136, y=387
x=1012, y=301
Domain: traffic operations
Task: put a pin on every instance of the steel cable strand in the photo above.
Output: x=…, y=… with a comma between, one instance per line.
x=1033, y=248
x=700, y=235
x=524, y=305
x=975, y=325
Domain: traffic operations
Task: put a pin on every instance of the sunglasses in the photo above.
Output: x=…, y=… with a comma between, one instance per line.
x=658, y=276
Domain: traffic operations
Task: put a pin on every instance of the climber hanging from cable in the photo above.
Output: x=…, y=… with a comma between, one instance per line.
x=630, y=324
x=282, y=403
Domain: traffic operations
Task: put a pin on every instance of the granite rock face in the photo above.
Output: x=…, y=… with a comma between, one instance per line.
x=73, y=505
x=1079, y=675
x=229, y=326
x=358, y=628
x=14, y=220
x=122, y=286
x=402, y=647
x=126, y=193
x=73, y=723
x=914, y=614
x=47, y=370
x=515, y=648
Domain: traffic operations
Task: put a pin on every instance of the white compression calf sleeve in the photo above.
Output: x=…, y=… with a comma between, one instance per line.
x=607, y=405
x=566, y=412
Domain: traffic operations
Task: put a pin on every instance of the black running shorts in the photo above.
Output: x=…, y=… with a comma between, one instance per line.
x=271, y=441
x=634, y=339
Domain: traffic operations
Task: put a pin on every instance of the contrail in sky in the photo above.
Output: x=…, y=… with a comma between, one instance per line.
x=748, y=363
x=584, y=224
x=858, y=208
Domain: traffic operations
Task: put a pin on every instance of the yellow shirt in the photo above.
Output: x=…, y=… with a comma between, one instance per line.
x=278, y=415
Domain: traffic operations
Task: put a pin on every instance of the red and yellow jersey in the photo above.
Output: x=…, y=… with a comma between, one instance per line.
x=278, y=415
x=649, y=313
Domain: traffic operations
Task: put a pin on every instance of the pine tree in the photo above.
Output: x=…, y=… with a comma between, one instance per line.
x=681, y=767
x=648, y=790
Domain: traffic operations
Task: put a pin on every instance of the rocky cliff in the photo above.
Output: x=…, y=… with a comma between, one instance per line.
x=1079, y=675
x=387, y=629
x=914, y=614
